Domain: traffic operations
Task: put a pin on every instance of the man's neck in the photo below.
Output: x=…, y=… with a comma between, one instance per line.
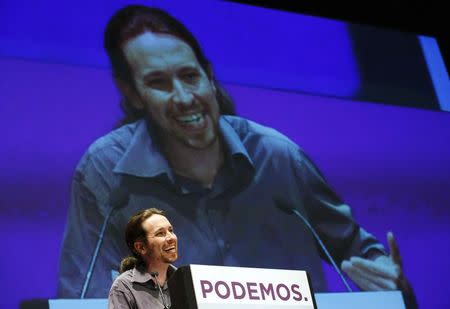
x=198, y=164
x=161, y=269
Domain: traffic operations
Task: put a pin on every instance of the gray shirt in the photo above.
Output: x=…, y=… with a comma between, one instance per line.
x=135, y=289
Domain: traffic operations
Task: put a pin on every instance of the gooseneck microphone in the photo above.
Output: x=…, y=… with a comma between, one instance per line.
x=284, y=206
x=155, y=274
x=118, y=198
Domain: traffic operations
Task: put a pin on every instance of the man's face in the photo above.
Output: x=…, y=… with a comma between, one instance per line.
x=162, y=243
x=174, y=90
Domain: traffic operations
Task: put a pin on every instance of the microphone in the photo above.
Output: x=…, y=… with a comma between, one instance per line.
x=118, y=199
x=283, y=205
x=155, y=274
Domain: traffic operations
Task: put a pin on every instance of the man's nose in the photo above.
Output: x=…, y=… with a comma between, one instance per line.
x=181, y=95
x=171, y=237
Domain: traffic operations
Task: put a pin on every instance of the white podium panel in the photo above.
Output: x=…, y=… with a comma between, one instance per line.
x=219, y=287
x=93, y=303
x=360, y=300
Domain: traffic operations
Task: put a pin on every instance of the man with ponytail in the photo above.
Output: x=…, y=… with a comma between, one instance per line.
x=154, y=246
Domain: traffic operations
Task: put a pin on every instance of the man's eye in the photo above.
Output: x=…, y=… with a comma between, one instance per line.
x=155, y=81
x=191, y=76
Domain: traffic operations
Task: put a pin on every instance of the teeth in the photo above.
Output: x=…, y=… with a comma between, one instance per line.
x=190, y=118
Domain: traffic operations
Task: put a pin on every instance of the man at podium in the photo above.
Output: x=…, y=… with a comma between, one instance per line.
x=143, y=281
x=215, y=175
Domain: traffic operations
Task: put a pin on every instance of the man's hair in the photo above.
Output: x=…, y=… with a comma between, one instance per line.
x=133, y=20
x=135, y=232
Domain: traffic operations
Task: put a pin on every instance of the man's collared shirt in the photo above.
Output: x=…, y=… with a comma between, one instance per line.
x=136, y=289
x=236, y=222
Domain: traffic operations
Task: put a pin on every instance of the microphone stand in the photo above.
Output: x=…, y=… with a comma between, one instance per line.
x=117, y=199
x=95, y=255
x=282, y=205
x=155, y=274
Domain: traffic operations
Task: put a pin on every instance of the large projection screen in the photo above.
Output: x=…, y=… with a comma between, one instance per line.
x=312, y=79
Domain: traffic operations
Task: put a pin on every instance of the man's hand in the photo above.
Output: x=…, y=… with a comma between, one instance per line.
x=383, y=273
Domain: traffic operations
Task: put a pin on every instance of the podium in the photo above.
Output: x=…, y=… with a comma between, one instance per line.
x=217, y=287
x=187, y=291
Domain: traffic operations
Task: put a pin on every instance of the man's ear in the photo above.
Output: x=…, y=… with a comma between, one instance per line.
x=140, y=248
x=130, y=93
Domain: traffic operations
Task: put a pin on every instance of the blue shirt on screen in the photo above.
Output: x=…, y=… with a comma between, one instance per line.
x=233, y=223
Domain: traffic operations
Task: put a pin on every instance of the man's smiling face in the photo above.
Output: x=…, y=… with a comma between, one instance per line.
x=161, y=245
x=174, y=89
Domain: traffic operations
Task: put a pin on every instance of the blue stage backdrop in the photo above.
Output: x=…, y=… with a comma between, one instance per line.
x=390, y=163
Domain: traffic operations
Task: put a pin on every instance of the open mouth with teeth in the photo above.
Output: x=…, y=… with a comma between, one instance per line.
x=170, y=249
x=194, y=121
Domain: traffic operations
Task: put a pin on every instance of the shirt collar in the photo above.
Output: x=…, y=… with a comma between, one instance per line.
x=235, y=147
x=141, y=275
x=143, y=157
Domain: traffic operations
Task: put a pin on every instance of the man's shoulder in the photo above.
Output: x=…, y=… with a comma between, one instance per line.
x=117, y=139
x=109, y=148
x=95, y=170
x=252, y=132
x=124, y=279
